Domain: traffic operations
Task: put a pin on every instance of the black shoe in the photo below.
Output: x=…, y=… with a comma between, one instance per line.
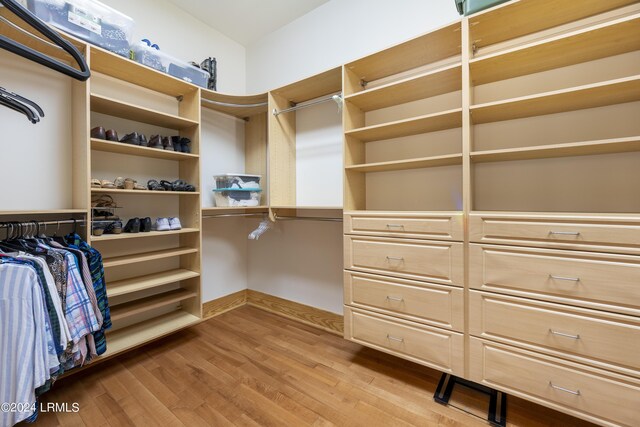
x=143, y=140
x=133, y=226
x=131, y=138
x=145, y=225
x=184, y=145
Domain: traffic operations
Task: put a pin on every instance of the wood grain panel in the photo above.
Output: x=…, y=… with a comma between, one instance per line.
x=222, y=305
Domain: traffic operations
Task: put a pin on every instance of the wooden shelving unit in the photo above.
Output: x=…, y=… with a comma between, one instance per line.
x=397, y=165
x=140, y=306
x=119, y=261
x=144, y=192
x=126, y=236
x=136, y=150
x=149, y=281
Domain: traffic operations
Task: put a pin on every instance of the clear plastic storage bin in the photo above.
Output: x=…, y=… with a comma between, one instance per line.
x=237, y=181
x=161, y=61
x=88, y=20
x=243, y=198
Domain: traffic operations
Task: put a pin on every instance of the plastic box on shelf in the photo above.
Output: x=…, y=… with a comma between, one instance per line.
x=468, y=7
x=165, y=63
x=225, y=197
x=237, y=181
x=88, y=20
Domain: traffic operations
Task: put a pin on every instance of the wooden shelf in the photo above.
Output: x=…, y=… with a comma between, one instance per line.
x=149, y=281
x=605, y=146
x=414, y=126
x=47, y=212
x=147, y=256
x=145, y=192
x=133, y=336
x=309, y=208
x=124, y=236
x=143, y=305
x=518, y=18
x=220, y=210
x=124, y=110
x=129, y=71
x=437, y=45
x=136, y=150
x=588, y=96
x=237, y=107
x=425, y=85
x=313, y=87
x=586, y=44
x=425, y=162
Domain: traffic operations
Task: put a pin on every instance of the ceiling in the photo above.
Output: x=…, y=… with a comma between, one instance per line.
x=246, y=21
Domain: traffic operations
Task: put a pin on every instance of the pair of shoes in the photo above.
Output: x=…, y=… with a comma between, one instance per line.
x=164, y=185
x=161, y=143
x=132, y=184
x=100, y=133
x=138, y=225
x=181, y=144
x=167, y=224
x=114, y=227
x=135, y=138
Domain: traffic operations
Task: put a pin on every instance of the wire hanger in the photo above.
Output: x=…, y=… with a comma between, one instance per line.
x=33, y=55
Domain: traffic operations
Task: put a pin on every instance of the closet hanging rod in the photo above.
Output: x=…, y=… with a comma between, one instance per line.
x=306, y=218
x=229, y=104
x=337, y=98
x=8, y=224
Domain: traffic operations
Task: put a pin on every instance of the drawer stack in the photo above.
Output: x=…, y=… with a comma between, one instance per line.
x=554, y=311
x=403, y=286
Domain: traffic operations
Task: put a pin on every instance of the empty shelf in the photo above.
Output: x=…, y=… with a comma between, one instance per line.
x=425, y=85
x=132, y=308
x=107, y=237
x=147, y=256
x=425, y=162
x=414, y=126
x=135, y=284
x=577, y=98
x=136, y=150
x=605, y=146
x=124, y=110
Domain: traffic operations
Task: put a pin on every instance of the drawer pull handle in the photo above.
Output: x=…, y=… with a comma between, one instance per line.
x=395, y=226
x=392, y=338
x=566, y=390
x=399, y=299
x=562, y=334
x=565, y=233
x=390, y=258
x=568, y=279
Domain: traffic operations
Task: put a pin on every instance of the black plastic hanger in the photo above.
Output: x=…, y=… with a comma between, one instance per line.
x=19, y=107
x=33, y=55
x=23, y=100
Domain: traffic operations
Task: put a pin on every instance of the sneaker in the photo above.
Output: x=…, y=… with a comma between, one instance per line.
x=162, y=224
x=174, y=223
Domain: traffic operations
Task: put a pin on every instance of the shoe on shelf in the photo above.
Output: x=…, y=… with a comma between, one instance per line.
x=113, y=228
x=154, y=185
x=129, y=183
x=133, y=226
x=174, y=223
x=145, y=225
x=131, y=138
x=156, y=142
x=162, y=224
x=142, y=139
x=184, y=145
x=95, y=183
x=119, y=183
x=167, y=144
x=112, y=135
x=98, y=133
x=175, y=140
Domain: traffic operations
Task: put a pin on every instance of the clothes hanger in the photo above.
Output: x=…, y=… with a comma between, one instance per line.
x=19, y=107
x=24, y=100
x=33, y=55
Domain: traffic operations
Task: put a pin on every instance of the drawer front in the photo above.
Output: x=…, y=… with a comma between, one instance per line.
x=594, y=233
x=584, y=392
x=433, y=347
x=603, y=281
x=439, y=262
x=445, y=226
x=604, y=339
x=437, y=305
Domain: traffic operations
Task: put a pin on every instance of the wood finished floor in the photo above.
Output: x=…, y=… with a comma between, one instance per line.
x=251, y=368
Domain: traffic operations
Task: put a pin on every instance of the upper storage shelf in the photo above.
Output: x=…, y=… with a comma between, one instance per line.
x=237, y=106
x=582, y=45
x=313, y=87
x=521, y=17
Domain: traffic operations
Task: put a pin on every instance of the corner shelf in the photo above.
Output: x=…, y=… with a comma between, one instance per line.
x=135, y=284
x=423, y=124
x=143, y=305
x=424, y=162
x=586, y=44
x=122, y=236
x=605, y=146
x=137, y=150
x=144, y=192
x=425, y=85
x=147, y=256
x=601, y=94
x=125, y=110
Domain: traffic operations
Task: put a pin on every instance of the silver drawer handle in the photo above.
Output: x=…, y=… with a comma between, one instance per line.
x=392, y=338
x=566, y=233
x=566, y=390
x=390, y=258
x=395, y=226
x=568, y=279
x=399, y=299
x=562, y=334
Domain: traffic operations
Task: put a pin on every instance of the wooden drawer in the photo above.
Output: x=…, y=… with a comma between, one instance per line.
x=439, y=262
x=437, y=348
x=436, y=226
x=607, y=340
x=603, y=281
x=585, y=392
x=437, y=305
x=604, y=233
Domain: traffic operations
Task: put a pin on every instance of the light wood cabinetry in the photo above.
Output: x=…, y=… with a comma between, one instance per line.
x=433, y=226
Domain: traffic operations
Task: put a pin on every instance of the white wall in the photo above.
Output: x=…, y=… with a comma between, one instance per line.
x=185, y=37
x=336, y=33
